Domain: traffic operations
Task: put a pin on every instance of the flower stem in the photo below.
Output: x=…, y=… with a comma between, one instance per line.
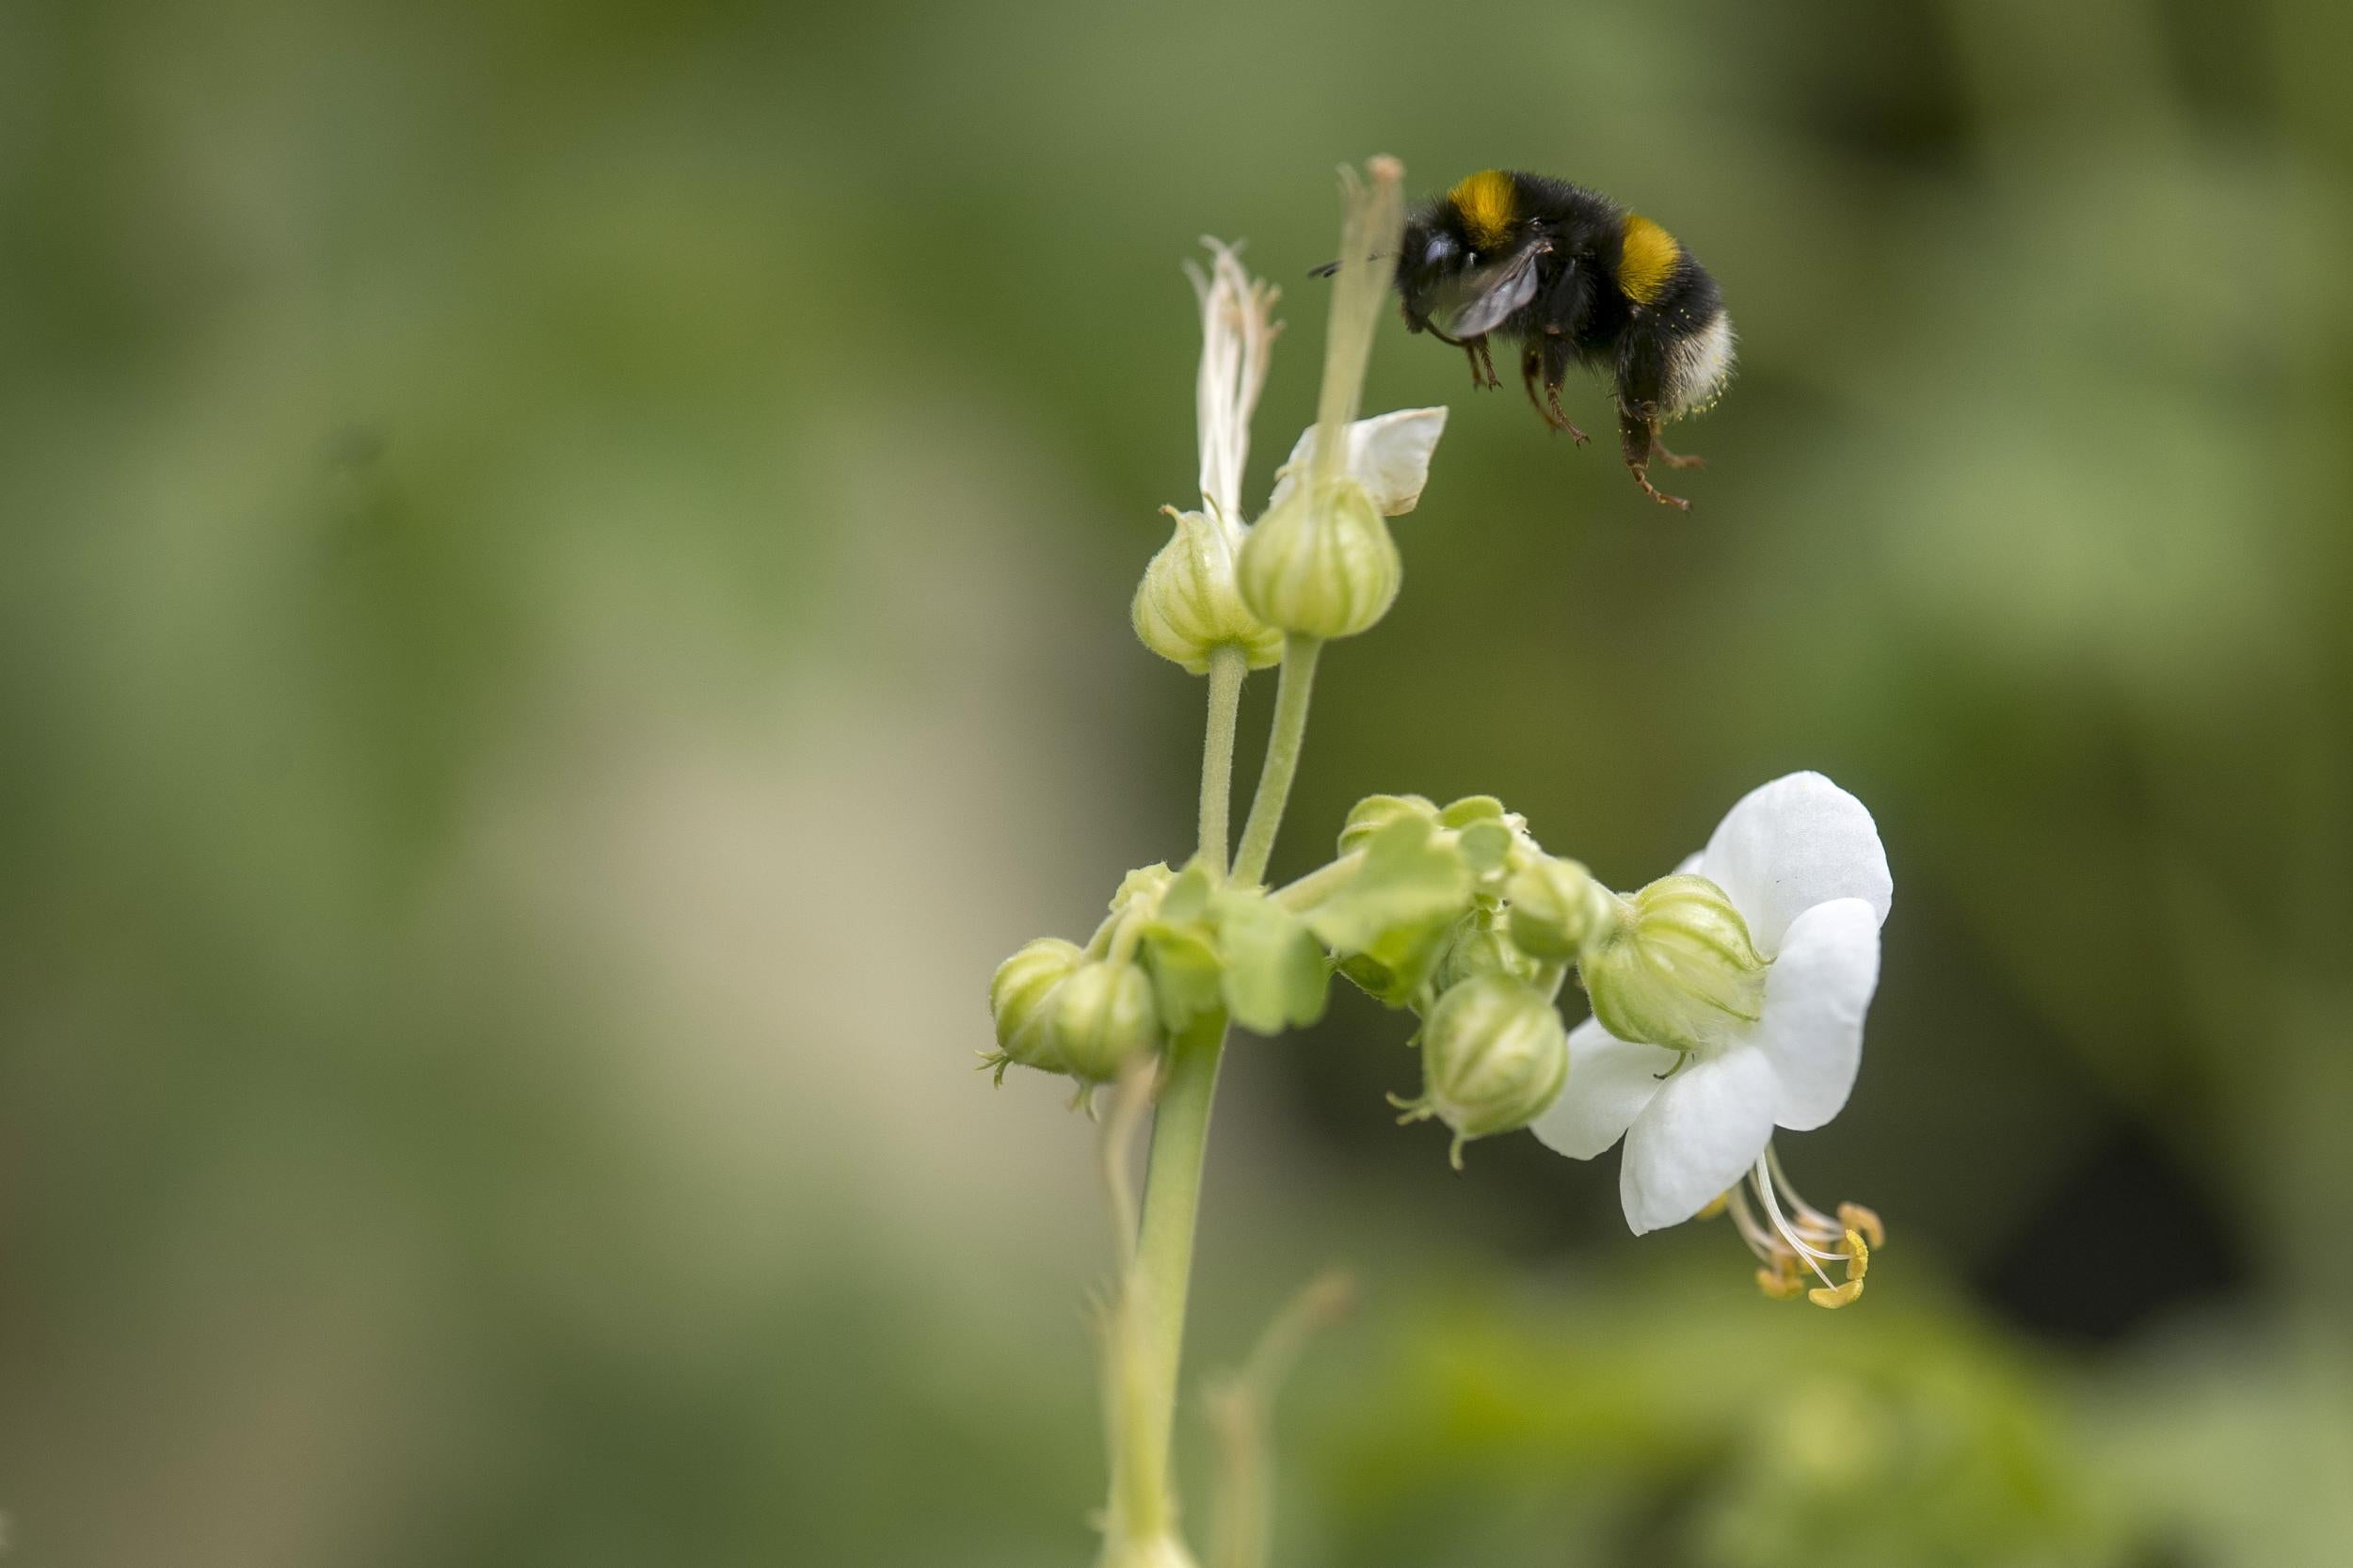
x=1320, y=884
x=1282, y=757
x=1227, y=666
x=1162, y=1275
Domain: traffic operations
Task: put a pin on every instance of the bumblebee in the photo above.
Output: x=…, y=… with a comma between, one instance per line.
x=1574, y=277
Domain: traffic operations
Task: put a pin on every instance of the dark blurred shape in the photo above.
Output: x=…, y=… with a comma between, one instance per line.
x=2125, y=1238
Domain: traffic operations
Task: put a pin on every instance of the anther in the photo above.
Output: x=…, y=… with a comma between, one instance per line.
x=1854, y=1217
x=1834, y=1295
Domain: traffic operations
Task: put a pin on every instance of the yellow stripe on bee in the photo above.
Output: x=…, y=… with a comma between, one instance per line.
x=1489, y=202
x=1648, y=261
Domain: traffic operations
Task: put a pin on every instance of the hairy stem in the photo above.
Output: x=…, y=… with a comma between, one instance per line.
x=1162, y=1275
x=1229, y=665
x=1320, y=884
x=1282, y=757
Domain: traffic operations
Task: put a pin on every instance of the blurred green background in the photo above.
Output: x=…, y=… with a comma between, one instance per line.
x=563, y=599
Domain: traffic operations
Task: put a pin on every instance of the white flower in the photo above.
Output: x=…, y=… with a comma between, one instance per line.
x=1388, y=454
x=1341, y=578
x=1238, y=332
x=1801, y=861
x=1189, y=604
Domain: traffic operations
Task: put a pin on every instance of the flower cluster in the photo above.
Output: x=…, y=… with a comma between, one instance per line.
x=1727, y=998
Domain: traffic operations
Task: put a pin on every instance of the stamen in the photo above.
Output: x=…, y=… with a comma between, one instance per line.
x=1858, y=1255
x=1835, y=1295
x=1764, y=1243
x=1854, y=1217
x=1813, y=1256
x=1809, y=1217
x=1792, y=1242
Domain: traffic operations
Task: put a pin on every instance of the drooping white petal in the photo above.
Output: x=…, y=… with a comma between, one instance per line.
x=1816, y=995
x=1703, y=1130
x=1237, y=335
x=1388, y=454
x=1609, y=1081
x=1791, y=844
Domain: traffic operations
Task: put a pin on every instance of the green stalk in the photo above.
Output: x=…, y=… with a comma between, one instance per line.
x=1229, y=665
x=1149, y=1322
x=1320, y=884
x=1162, y=1277
x=1282, y=757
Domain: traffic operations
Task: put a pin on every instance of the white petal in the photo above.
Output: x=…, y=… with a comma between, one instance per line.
x=1388, y=454
x=1816, y=995
x=1609, y=1081
x=1703, y=1130
x=1791, y=844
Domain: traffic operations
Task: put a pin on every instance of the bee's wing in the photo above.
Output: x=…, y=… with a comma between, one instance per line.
x=1497, y=292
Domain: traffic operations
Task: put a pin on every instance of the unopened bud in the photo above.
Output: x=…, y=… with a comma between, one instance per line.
x=1482, y=946
x=1494, y=1057
x=1321, y=562
x=1190, y=603
x=1679, y=970
x=1372, y=814
x=1557, y=908
x=1020, y=998
x=1101, y=1017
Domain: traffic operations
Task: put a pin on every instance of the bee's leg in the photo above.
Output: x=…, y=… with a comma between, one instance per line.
x=1638, y=439
x=1641, y=382
x=1674, y=460
x=1482, y=362
x=1556, y=362
x=1531, y=364
x=1482, y=373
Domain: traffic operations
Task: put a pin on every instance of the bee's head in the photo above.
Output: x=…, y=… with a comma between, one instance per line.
x=1433, y=258
x=1448, y=241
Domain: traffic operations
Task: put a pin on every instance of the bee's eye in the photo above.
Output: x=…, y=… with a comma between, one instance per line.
x=1437, y=250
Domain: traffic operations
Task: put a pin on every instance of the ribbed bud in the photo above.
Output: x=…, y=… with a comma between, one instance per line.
x=1557, y=908
x=1679, y=970
x=1494, y=1057
x=1482, y=947
x=1020, y=998
x=1102, y=1018
x=1191, y=603
x=1321, y=562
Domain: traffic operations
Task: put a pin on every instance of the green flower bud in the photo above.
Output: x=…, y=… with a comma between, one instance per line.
x=1476, y=808
x=1321, y=562
x=1190, y=603
x=1372, y=814
x=1101, y=1017
x=1494, y=1057
x=1482, y=947
x=1146, y=884
x=1557, y=907
x=1020, y=998
x=1679, y=970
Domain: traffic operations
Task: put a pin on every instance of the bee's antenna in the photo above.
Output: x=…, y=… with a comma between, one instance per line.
x=1328, y=268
